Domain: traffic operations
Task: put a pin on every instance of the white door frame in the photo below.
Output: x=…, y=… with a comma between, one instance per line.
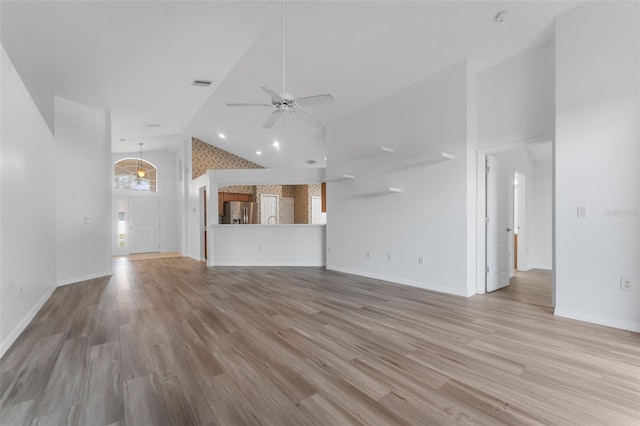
x=202, y=222
x=481, y=198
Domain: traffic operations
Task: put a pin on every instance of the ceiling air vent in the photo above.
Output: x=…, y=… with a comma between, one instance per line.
x=311, y=162
x=201, y=83
x=153, y=125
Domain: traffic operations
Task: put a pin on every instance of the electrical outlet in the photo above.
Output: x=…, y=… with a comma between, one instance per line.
x=368, y=255
x=626, y=284
x=389, y=257
x=259, y=248
x=329, y=250
x=420, y=260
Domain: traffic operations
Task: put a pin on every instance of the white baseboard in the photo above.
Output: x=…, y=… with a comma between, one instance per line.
x=11, y=338
x=419, y=284
x=547, y=267
x=84, y=278
x=595, y=319
x=300, y=264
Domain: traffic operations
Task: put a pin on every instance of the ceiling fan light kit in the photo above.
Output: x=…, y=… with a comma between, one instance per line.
x=286, y=102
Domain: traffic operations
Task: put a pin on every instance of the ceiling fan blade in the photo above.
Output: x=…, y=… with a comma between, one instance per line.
x=243, y=105
x=315, y=100
x=274, y=95
x=272, y=119
x=308, y=118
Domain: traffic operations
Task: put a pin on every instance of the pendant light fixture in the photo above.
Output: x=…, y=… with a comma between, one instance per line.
x=141, y=171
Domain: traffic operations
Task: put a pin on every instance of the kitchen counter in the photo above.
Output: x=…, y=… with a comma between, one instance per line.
x=268, y=245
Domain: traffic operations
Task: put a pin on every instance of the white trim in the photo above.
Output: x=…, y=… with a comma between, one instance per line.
x=481, y=191
x=83, y=278
x=595, y=319
x=530, y=267
x=411, y=283
x=13, y=336
x=240, y=263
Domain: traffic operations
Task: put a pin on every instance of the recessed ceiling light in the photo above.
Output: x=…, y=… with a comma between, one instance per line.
x=325, y=158
x=221, y=136
x=123, y=140
x=276, y=144
x=201, y=83
x=259, y=152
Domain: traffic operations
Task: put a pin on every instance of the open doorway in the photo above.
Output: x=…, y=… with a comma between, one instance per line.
x=517, y=215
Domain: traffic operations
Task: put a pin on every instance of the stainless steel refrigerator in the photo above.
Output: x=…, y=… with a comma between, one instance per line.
x=240, y=212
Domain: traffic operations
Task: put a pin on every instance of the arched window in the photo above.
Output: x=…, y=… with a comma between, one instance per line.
x=127, y=176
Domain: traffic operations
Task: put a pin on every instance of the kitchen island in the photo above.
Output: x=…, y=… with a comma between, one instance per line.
x=268, y=245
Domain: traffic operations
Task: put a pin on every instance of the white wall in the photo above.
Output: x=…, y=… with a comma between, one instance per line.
x=83, y=191
x=540, y=241
x=269, y=245
x=27, y=207
x=597, y=157
x=429, y=218
x=167, y=195
x=516, y=99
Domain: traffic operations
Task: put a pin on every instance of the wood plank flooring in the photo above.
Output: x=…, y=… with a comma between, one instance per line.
x=532, y=287
x=170, y=341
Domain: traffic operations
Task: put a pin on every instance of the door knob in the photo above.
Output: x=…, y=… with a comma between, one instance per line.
x=509, y=229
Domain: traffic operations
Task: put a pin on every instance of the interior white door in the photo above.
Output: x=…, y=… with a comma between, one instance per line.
x=143, y=225
x=317, y=216
x=287, y=210
x=498, y=232
x=268, y=209
x=519, y=219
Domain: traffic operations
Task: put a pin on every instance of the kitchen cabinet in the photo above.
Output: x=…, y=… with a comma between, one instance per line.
x=231, y=196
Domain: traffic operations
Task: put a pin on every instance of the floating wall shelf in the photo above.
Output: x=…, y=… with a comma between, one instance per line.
x=428, y=159
x=383, y=191
x=380, y=151
x=341, y=178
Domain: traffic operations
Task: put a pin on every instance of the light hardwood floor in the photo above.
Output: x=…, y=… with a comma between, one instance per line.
x=170, y=341
x=532, y=287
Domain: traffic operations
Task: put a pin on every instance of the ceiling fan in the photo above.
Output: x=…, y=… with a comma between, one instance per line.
x=286, y=102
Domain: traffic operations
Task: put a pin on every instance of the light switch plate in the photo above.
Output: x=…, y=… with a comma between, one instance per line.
x=583, y=212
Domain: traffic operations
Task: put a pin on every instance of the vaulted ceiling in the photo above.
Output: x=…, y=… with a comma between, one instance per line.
x=138, y=60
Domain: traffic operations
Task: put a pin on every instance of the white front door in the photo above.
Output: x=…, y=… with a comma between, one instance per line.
x=317, y=216
x=268, y=209
x=287, y=210
x=498, y=233
x=143, y=225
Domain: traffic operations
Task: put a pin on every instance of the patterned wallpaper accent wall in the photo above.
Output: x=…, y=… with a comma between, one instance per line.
x=301, y=204
x=239, y=189
x=208, y=157
x=269, y=190
x=288, y=191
